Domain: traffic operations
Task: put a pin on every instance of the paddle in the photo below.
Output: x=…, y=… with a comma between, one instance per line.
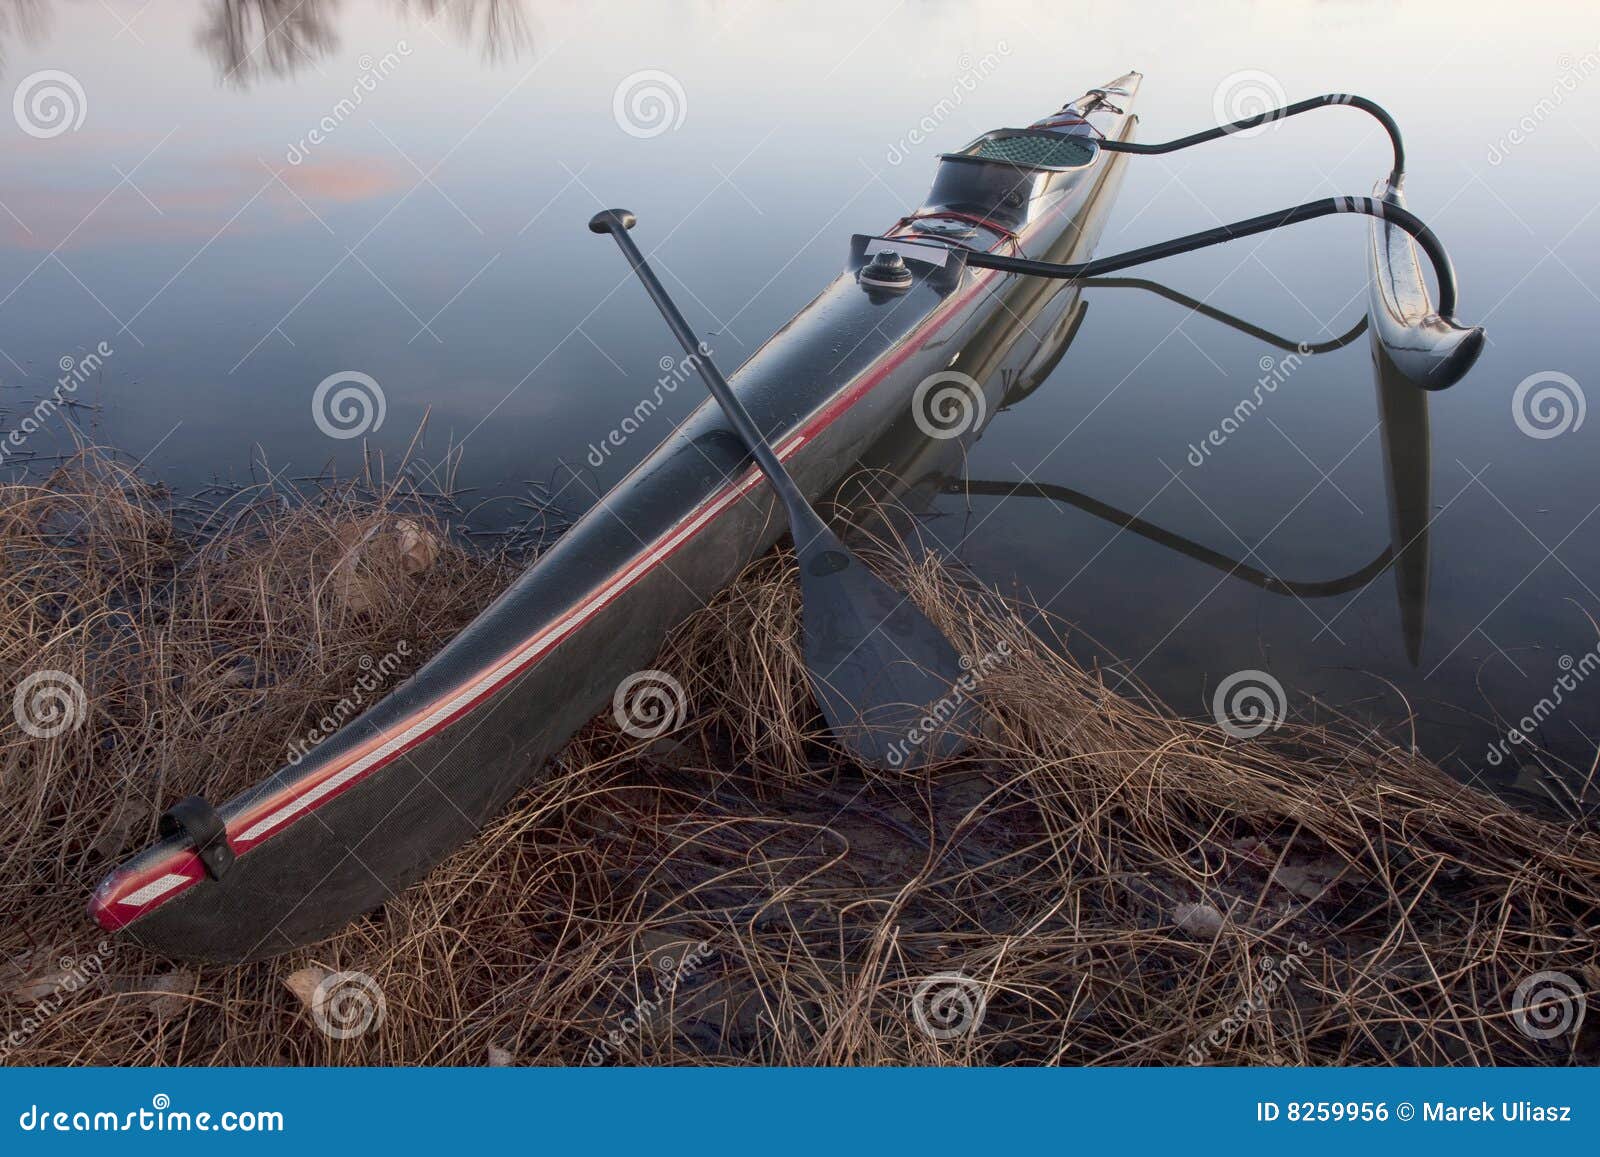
x=877, y=665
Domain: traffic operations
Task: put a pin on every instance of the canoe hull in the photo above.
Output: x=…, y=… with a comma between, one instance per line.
x=379, y=803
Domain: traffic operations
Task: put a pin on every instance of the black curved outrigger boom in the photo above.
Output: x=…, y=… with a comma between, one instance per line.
x=1425, y=342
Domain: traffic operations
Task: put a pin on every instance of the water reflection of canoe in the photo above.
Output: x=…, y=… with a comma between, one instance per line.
x=376, y=805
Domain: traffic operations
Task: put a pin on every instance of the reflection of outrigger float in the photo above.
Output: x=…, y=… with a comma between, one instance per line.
x=1005, y=236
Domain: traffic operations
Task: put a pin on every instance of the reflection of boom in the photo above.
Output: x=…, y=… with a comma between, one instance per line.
x=917, y=470
x=1228, y=319
x=1236, y=568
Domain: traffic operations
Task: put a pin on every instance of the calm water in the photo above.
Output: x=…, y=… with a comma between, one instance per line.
x=260, y=195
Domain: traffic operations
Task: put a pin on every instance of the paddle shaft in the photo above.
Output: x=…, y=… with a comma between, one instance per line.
x=617, y=222
x=876, y=662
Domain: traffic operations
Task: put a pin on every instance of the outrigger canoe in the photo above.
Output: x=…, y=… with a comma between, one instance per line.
x=375, y=806
x=953, y=309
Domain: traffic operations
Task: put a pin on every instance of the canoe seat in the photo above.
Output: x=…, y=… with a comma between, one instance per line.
x=1035, y=150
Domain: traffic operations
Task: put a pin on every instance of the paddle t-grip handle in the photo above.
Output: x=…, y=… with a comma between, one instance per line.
x=610, y=220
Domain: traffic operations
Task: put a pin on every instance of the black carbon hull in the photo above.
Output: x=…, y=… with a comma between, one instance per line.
x=374, y=807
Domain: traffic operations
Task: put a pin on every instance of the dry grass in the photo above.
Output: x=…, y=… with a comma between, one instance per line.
x=1114, y=882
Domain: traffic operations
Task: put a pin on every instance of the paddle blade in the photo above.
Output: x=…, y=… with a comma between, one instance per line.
x=891, y=686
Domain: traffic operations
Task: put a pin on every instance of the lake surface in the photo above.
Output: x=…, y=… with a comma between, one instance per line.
x=215, y=208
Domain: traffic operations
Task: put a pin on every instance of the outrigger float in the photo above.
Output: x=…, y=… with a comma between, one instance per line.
x=982, y=279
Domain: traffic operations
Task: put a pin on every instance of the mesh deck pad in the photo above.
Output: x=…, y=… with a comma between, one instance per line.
x=1037, y=149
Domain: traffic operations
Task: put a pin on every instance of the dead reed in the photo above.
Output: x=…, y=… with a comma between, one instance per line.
x=1097, y=882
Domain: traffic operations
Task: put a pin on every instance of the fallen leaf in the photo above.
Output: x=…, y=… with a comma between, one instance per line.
x=418, y=548
x=304, y=983
x=373, y=552
x=1308, y=880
